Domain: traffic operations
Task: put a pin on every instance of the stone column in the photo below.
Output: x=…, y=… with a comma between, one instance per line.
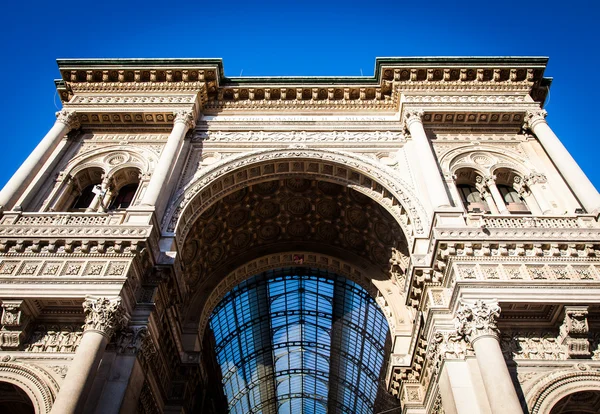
x=102, y=317
x=97, y=201
x=574, y=176
x=429, y=167
x=498, y=200
x=476, y=322
x=534, y=182
x=184, y=120
x=487, y=196
x=65, y=121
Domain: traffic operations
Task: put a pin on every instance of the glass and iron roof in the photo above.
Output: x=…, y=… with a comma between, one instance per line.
x=299, y=341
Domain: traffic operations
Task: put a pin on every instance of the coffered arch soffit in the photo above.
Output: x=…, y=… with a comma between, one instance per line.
x=484, y=159
x=386, y=291
x=112, y=159
x=550, y=389
x=376, y=181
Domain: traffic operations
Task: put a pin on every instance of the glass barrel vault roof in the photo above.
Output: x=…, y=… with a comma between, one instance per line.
x=299, y=341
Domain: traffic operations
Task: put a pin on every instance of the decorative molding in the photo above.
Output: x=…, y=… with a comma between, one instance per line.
x=185, y=117
x=103, y=315
x=274, y=137
x=131, y=339
x=477, y=320
x=534, y=117
x=534, y=272
x=39, y=385
x=574, y=331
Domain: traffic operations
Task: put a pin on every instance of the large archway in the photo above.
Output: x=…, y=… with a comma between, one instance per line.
x=292, y=215
x=582, y=402
x=14, y=400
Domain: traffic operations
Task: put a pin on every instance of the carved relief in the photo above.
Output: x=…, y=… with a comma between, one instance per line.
x=103, y=315
x=54, y=338
x=474, y=320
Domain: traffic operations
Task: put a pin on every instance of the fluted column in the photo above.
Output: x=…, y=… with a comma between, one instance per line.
x=498, y=200
x=476, y=322
x=429, y=167
x=184, y=120
x=534, y=182
x=102, y=317
x=573, y=174
x=65, y=121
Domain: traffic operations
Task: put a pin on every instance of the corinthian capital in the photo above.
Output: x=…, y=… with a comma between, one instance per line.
x=186, y=117
x=534, y=117
x=103, y=314
x=474, y=320
x=69, y=118
x=411, y=116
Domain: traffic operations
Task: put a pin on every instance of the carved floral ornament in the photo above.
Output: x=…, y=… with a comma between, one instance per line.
x=361, y=173
x=68, y=118
x=475, y=320
x=103, y=315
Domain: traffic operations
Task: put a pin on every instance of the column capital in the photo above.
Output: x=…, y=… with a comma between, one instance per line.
x=411, y=116
x=478, y=319
x=534, y=117
x=103, y=315
x=69, y=118
x=185, y=117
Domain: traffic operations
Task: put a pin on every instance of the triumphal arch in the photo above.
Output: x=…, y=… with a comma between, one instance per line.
x=418, y=241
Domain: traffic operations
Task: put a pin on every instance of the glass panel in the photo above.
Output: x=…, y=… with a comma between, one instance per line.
x=299, y=340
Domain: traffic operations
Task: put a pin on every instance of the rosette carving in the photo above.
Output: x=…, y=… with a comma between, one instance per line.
x=103, y=315
x=474, y=320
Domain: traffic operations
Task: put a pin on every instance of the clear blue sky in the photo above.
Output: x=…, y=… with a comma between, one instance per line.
x=297, y=38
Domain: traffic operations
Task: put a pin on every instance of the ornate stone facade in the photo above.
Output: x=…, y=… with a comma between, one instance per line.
x=437, y=185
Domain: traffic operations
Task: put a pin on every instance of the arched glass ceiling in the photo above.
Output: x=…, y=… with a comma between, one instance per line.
x=299, y=341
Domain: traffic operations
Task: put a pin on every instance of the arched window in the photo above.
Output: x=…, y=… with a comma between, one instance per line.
x=85, y=198
x=509, y=184
x=124, y=196
x=470, y=195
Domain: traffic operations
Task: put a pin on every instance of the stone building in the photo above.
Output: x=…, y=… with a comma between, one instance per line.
x=419, y=241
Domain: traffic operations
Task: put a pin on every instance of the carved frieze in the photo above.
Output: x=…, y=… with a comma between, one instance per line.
x=54, y=338
x=274, y=137
x=554, y=271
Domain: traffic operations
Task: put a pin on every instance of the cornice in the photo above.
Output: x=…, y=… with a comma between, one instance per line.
x=392, y=75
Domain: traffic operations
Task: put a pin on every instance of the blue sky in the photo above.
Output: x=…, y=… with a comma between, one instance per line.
x=277, y=38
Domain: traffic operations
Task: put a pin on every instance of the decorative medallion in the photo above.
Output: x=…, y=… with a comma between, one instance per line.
x=237, y=217
x=214, y=254
x=266, y=188
x=357, y=218
x=328, y=209
x=298, y=228
x=236, y=197
x=190, y=250
x=297, y=184
x=354, y=240
x=269, y=231
x=211, y=231
x=360, y=198
x=383, y=232
x=327, y=232
x=267, y=209
x=209, y=212
x=379, y=255
x=240, y=240
x=328, y=188
x=298, y=205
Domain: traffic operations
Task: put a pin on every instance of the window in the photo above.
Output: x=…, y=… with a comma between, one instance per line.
x=85, y=198
x=124, y=197
x=471, y=198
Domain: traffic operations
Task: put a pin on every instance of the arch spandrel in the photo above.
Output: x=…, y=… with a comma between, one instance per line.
x=384, y=289
x=112, y=158
x=360, y=173
x=485, y=159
